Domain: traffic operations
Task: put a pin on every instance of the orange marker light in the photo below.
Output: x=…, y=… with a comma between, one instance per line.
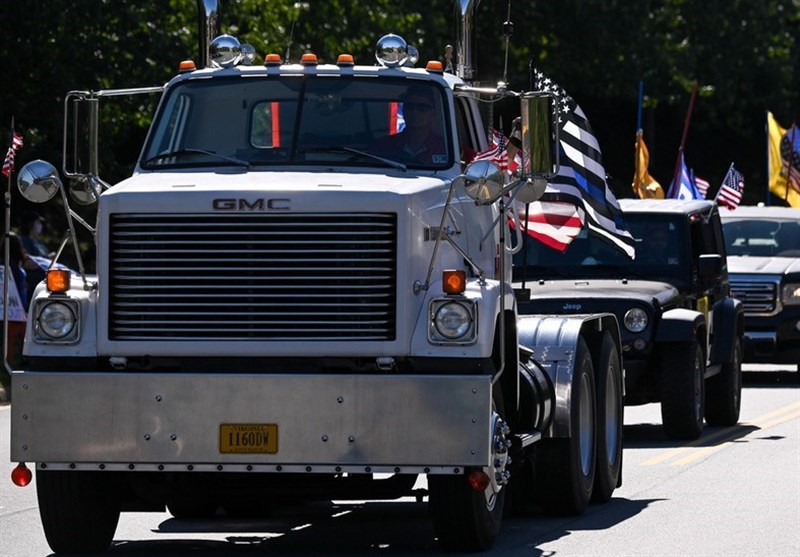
x=57, y=280
x=272, y=60
x=345, y=60
x=187, y=66
x=454, y=282
x=309, y=59
x=434, y=66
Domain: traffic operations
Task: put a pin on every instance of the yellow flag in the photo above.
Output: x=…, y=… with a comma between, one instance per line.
x=644, y=185
x=778, y=184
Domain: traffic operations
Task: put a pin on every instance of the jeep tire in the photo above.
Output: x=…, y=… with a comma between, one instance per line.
x=724, y=391
x=682, y=390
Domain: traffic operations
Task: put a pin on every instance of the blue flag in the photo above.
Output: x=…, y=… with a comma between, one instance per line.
x=685, y=187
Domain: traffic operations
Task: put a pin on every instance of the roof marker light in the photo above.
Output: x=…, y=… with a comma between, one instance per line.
x=309, y=59
x=435, y=66
x=272, y=60
x=187, y=66
x=345, y=60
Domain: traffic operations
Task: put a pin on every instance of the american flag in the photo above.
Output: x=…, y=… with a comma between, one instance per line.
x=497, y=152
x=8, y=163
x=732, y=189
x=702, y=185
x=581, y=179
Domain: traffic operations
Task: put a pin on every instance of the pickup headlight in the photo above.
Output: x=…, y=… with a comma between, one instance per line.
x=790, y=294
x=635, y=320
x=452, y=321
x=56, y=321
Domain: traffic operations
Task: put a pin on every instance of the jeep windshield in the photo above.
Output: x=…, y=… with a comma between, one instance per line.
x=310, y=120
x=661, y=254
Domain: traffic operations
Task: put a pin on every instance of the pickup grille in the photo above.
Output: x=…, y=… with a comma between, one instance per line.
x=253, y=276
x=758, y=297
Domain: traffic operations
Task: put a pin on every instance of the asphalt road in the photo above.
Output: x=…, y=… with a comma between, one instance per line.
x=735, y=491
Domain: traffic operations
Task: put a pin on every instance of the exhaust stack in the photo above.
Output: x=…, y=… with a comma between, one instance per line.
x=208, y=27
x=465, y=11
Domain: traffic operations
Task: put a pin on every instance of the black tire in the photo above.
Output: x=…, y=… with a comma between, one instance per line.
x=724, y=391
x=79, y=510
x=565, y=468
x=190, y=509
x=682, y=391
x=609, y=422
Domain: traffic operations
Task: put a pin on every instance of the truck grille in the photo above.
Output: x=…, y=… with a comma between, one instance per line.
x=757, y=297
x=253, y=276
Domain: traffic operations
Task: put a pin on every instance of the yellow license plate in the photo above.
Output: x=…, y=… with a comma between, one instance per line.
x=248, y=438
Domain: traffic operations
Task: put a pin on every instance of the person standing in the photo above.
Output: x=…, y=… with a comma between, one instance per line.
x=31, y=226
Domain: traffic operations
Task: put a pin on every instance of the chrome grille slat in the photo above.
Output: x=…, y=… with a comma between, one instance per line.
x=757, y=296
x=305, y=277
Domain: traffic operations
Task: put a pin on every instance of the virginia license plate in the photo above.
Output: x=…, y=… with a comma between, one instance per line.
x=248, y=438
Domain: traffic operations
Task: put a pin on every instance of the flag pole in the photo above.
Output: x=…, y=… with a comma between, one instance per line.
x=767, y=195
x=677, y=173
x=637, y=188
x=6, y=258
x=790, y=166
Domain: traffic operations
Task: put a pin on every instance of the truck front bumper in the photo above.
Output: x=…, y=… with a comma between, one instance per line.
x=321, y=423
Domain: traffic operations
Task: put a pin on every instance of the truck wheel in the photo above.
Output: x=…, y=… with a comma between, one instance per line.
x=724, y=391
x=79, y=510
x=682, y=391
x=465, y=519
x=565, y=468
x=609, y=422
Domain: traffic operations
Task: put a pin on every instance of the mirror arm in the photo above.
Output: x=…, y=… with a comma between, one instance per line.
x=85, y=224
x=445, y=212
x=518, y=185
x=475, y=267
x=74, y=238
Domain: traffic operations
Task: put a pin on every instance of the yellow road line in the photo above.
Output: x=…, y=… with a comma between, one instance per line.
x=721, y=436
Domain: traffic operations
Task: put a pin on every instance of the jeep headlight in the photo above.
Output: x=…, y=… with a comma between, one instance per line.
x=790, y=293
x=56, y=321
x=635, y=320
x=452, y=321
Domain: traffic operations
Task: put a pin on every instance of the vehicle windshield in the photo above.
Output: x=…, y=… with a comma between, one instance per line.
x=661, y=254
x=762, y=237
x=255, y=121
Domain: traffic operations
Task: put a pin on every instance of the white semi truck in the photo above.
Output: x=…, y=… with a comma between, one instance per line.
x=283, y=311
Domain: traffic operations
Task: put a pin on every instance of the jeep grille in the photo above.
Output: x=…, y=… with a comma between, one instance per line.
x=253, y=276
x=758, y=297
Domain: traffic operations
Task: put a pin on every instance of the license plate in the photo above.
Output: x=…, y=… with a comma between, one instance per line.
x=248, y=438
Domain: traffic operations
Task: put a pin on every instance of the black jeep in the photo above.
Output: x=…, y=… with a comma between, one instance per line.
x=681, y=329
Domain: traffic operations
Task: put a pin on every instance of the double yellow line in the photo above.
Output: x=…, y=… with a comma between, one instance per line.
x=718, y=439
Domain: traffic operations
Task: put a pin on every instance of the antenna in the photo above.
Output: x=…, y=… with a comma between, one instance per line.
x=508, y=30
x=298, y=6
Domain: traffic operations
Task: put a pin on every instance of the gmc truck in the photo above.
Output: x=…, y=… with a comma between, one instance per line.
x=283, y=312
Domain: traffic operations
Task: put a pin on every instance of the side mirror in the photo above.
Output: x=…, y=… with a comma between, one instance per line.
x=38, y=181
x=539, y=116
x=484, y=182
x=709, y=266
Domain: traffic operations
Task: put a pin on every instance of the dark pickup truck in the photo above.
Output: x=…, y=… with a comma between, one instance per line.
x=681, y=329
x=763, y=245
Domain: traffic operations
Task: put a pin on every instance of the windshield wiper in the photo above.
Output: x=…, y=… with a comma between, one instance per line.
x=388, y=162
x=189, y=152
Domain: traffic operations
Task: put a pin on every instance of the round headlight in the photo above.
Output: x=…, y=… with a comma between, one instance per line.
x=452, y=320
x=56, y=320
x=635, y=320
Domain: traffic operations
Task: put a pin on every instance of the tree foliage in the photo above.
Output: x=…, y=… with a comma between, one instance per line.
x=744, y=55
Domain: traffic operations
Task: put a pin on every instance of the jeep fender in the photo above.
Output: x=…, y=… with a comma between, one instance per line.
x=682, y=325
x=553, y=339
x=728, y=323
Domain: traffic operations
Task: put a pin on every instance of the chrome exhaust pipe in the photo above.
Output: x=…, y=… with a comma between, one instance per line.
x=208, y=27
x=465, y=12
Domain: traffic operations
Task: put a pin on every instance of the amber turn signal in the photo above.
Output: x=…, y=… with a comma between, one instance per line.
x=454, y=282
x=58, y=280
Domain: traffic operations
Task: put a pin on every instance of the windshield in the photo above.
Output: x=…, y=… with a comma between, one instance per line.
x=252, y=121
x=760, y=237
x=661, y=254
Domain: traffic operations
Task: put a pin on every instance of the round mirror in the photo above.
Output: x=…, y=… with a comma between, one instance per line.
x=226, y=51
x=248, y=54
x=38, y=181
x=82, y=191
x=531, y=190
x=413, y=56
x=391, y=51
x=484, y=181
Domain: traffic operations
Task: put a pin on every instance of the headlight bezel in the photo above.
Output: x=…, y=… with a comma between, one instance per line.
x=636, y=320
x=790, y=294
x=71, y=309
x=470, y=311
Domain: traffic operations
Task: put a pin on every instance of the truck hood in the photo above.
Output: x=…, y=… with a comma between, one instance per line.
x=596, y=294
x=738, y=264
